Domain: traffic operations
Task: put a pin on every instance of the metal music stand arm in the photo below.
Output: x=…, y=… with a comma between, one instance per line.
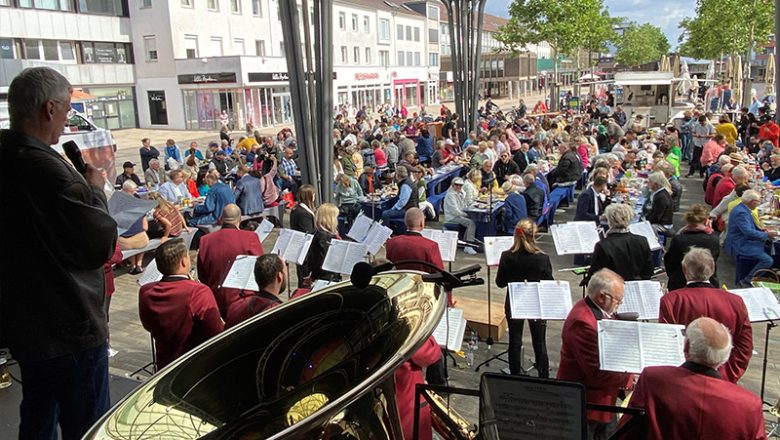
x=769, y=326
x=490, y=341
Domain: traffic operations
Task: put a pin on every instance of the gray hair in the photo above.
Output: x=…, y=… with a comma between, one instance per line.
x=604, y=280
x=129, y=185
x=699, y=348
x=528, y=179
x=750, y=195
x=724, y=159
x=401, y=172
x=739, y=172
x=659, y=178
x=154, y=162
x=31, y=89
x=698, y=264
x=619, y=215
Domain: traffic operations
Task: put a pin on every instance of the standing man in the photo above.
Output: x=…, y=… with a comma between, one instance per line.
x=580, y=349
x=53, y=321
x=692, y=401
x=148, y=152
x=700, y=298
x=701, y=133
x=248, y=192
x=219, y=249
x=271, y=278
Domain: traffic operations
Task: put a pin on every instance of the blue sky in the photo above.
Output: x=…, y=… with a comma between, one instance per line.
x=665, y=14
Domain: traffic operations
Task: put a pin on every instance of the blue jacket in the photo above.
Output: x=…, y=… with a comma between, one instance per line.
x=425, y=146
x=744, y=238
x=174, y=153
x=249, y=195
x=514, y=211
x=586, y=207
x=167, y=191
x=211, y=210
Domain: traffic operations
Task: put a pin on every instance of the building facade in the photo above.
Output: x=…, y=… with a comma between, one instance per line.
x=88, y=41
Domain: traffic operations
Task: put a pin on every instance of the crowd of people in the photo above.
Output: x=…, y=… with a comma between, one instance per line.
x=522, y=158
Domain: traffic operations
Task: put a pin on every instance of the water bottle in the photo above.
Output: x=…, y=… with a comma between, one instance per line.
x=472, y=348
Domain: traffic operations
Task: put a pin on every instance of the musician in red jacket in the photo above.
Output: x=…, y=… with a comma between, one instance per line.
x=179, y=312
x=271, y=277
x=692, y=401
x=700, y=298
x=219, y=249
x=407, y=376
x=580, y=349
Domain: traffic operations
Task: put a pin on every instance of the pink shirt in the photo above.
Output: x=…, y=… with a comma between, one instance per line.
x=710, y=153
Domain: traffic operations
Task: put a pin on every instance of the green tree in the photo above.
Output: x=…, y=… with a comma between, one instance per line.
x=641, y=44
x=726, y=26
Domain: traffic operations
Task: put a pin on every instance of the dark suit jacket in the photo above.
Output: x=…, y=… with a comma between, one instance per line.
x=249, y=195
x=302, y=220
x=569, y=169
x=681, y=243
x=519, y=158
x=586, y=209
x=683, y=306
x=625, y=253
x=661, y=210
x=534, y=201
x=516, y=267
x=580, y=359
x=216, y=254
x=319, y=248
x=692, y=402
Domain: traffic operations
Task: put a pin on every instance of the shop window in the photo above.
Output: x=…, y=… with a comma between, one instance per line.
x=158, y=112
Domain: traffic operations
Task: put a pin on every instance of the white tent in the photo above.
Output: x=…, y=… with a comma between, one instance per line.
x=589, y=77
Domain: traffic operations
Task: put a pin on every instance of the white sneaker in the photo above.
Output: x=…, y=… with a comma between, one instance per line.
x=112, y=352
x=469, y=250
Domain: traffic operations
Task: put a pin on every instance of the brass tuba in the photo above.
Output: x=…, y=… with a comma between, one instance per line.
x=320, y=366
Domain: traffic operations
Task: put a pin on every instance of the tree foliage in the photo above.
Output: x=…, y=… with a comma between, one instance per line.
x=726, y=26
x=641, y=44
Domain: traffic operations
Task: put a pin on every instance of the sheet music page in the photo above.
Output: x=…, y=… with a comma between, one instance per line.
x=342, y=256
x=447, y=241
x=360, y=228
x=632, y=302
x=642, y=297
x=126, y=209
x=588, y=235
x=457, y=328
x=645, y=229
x=242, y=274
x=282, y=241
x=151, y=274
x=761, y=304
x=264, y=229
x=376, y=238
x=555, y=299
x=661, y=344
x=292, y=245
x=565, y=239
x=619, y=346
x=494, y=246
x=524, y=301
x=320, y=284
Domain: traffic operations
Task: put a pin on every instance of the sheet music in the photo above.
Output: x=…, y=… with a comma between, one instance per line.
x=524, y=301
x=263, y=229
x=575, y=237
x=292, y=245
x=630, y=346
x=642, y=297
x=447, y=241
x=376, y=238
x=343, y=255
x=494, y=246
x=151, y=274
x=761, y=304
x=242, y=274
x=126, y=209
x=457, y=328
x=360, y=228
x=645, y=229
x=555, y=297
x=321, y=284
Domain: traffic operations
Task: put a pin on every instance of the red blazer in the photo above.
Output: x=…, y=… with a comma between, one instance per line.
x=216, y=254
x=722, y=189
x=249, y=305
x=683, y=306
x=108, y=270
x=407, y=376
x=413, y=246
x=580, y=359
x=180, y=314
x=709, y=191
x=692, y=402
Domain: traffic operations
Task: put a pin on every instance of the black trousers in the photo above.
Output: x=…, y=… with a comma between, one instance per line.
x=696, y=161
x=538, y=334
x=434, y=374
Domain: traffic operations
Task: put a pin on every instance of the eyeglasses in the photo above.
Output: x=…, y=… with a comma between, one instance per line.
x=619, y=301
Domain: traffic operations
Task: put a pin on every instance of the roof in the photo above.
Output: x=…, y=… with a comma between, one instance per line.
x=395, y=6
x=490, y=23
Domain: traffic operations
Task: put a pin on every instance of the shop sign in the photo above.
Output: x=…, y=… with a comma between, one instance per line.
x=271, y=76
x=208, y=78
x=364, y=76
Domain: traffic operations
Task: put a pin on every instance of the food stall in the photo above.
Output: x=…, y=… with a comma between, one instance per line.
x=645, y=93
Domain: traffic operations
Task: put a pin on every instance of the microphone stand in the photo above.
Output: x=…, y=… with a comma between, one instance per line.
x=769, y=326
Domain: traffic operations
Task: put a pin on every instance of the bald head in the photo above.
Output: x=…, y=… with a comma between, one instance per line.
x=708, y=342
x=414, y=219
x=231, y=214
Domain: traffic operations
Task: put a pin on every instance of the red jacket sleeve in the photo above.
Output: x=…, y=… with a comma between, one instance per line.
x=586, y=348
x=256, y=248
x=117, y=257
x=742, y=351
x=665, y=313
x=204, y=310
x=427, y=355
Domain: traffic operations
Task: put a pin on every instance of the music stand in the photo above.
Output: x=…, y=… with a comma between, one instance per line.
x=769, y=326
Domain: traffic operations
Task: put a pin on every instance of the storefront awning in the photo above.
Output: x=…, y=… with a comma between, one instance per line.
x=80, y=95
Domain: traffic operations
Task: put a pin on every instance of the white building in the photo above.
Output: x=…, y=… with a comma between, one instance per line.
x=88, y=41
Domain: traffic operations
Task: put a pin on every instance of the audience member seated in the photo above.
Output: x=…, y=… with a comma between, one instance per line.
x=504, y=168
x=174, y=190
x=218, y=250
x=347, y=197
x=772, y=169
x=675, y=186
x=534, y=197
x=696, y=233
x=249, y=196
x=155, y=175
x=525, y=261
x=455, y=214
x=219, y=195
x=592, y=202
x=745, y=239
x=700, y=298
x=271, y=277
x=219, y=163
x=514, y=207
x=714, y=178
x=408, y=196
x=569, y=168
x=692, y=401
x=288, y=171
x=326, y=220
x=302, y=220
x=471, y=186
x=421, y=186
x=179, y=313
x=621, y=251
x=368, y=181
x=135, y=238
x=128, y=173
x=660, y=211
x=725, y=185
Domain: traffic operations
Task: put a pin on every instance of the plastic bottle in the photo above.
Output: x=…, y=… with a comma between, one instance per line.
x=472, y=348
